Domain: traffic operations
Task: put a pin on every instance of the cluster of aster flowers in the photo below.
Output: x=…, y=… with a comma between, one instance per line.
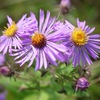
x=47, y=41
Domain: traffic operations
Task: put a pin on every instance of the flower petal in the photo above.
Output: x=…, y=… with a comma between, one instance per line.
x=41, y=20
x=46, y=21
x=9, y=20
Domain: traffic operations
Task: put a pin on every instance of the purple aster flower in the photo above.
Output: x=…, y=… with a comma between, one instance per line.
x=82, y=84
x=2, y=59
x=10, y=37
x=83, y=43
x=41, y=42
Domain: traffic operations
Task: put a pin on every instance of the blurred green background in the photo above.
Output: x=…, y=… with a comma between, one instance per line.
x=88, y=10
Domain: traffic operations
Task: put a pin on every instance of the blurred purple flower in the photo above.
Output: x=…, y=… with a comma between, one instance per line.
x=41, y=43
x=3, y=95
x=82, y=84
x=83, y=44
x=10, y=37
x=2, y=59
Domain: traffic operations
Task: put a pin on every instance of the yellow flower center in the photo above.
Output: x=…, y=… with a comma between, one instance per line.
x=79, y=37
x=10, y=31
x=38, y=40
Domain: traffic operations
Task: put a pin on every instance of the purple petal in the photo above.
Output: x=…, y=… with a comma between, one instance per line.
x=17, y=37
x=37, y=61
x=34, y=18
x=7, y=46
x=87, y=57
x=94, y=36
x=50, y=56
x=55, y=34
x=19, y=54
x=92, y=52
x=49, y=27
x=34, y=49
x=78, y=22
x=94, y=45
x=45, y=60
x=2, y=38
x=3, y=44
x=82, y=58
x=57, y=54
x=59, y=47
x=28, y=57
x=41, y=59
x=87, y=29
x=9, y=20
x=10, y=46
x=69, y=25
x=41, y=20
x=16, y=43
x=74, y=60
x=91, y=30
x=32, y=59
x=46, y=21
x=83, y=25
x=19, y=23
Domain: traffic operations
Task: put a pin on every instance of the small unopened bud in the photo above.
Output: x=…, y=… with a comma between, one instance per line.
x=82, y=84
x=2, y=59
x=65, y=6
x=4, y=70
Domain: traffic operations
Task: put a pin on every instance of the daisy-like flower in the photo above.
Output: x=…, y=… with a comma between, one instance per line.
x=42, y=42
x=10, y=37
x=83, y=43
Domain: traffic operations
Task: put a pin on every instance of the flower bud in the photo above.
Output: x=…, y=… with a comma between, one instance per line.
x=82, y=84
x=65, y=6
x=4, y=70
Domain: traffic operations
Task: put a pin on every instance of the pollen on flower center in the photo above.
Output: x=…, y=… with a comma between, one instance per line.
x=79, y=37
x=38, y=40
x=10, y=31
